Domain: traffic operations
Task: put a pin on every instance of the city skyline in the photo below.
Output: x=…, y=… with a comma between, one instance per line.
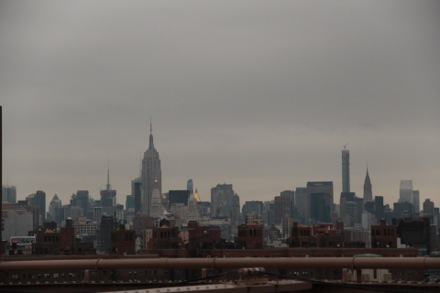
x=261, y=96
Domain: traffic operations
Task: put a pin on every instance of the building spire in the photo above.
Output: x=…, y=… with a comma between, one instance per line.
x=368, y=192
x=108, y=176
x=151, y=144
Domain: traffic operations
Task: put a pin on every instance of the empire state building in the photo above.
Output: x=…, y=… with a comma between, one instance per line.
x=151, y=175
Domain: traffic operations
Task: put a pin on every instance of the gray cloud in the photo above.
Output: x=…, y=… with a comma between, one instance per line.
x=259, y=94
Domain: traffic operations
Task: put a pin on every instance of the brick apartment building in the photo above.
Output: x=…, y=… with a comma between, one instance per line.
x=250, y=236
x=51, y=242
x=123, y=241
x=383, y=235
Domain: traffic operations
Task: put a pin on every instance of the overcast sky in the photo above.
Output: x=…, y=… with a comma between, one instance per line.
x=259, y=94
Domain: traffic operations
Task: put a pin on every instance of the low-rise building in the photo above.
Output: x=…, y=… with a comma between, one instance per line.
x=383, y=235
x=250, y=236
x=123, y=241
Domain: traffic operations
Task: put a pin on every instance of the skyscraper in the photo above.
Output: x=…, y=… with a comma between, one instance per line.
x=9, y=193
x=252, y=209
x=428, y=208
x=320, y=194
x=136, y=191
x=178, y=197
x=378, y=207
x=368, y=192
x=151, y=174
x=302, y=203
x=345, y=170
x=156, y=206
x=38, y=200
x=108, y=197
x=406, y=191
x=225, y=203
x=55, y=209
x=190, y=186
x=83, y=201
x=283, y=205
x=416, y=201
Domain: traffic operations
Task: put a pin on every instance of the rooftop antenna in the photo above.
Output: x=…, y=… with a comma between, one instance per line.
x=108, y=175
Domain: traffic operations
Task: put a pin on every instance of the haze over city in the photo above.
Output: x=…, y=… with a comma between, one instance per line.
x=261, y=95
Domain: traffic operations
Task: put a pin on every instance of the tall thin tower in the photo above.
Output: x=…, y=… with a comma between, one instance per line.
x=151, y=174
x=345, y=170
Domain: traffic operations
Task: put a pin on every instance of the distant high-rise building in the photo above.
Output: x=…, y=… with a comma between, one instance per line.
x=345, y=170
x=321, y=200
x=38, y=200
x=416, y=201
x=55, y=208
x=268, y=213
x=156, y=206
x=9, y=194
x=302, y=203
x=403, y=210
x=252, y=209
x=97, y=214
x=368, y=192
x=283, y=206
x=108, y=197
x=378, y=208
x=235, y=209
x=136, y=191
x=151, y=174
x=178, y=197
x=225, y=203
x=190, y=186
x=406, y=191
x=347, y=202
x=129, y=202
x=83, y=201
x=428, y=208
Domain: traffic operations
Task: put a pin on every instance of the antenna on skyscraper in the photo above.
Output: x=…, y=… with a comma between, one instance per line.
x=108, y=174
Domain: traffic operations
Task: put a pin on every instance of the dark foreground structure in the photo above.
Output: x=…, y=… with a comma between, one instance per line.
x=259, y=275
